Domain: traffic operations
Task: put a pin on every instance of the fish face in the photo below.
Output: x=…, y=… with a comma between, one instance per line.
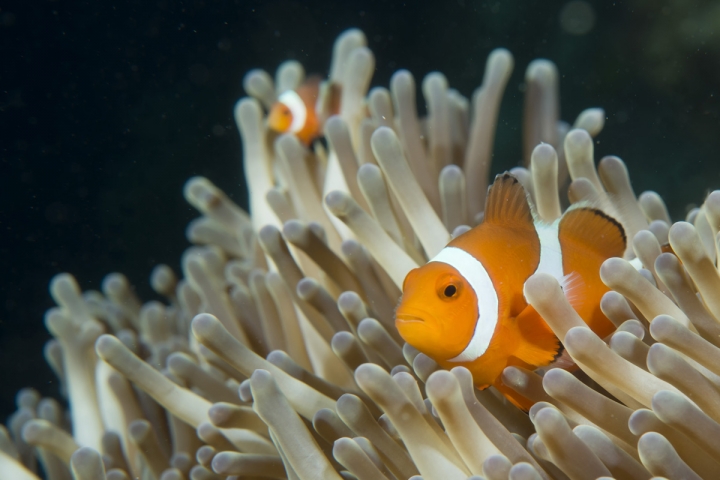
x=437, y=312
x=280, y=117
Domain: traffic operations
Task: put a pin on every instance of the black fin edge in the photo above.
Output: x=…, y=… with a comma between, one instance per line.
x=610, y=219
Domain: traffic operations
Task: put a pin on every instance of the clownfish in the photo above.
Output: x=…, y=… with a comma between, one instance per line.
x=466, y=307
x=294, y=112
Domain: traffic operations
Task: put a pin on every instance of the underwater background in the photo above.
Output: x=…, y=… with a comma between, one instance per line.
x=107, y=108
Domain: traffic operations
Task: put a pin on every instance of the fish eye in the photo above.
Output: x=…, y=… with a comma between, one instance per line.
x=448, y=287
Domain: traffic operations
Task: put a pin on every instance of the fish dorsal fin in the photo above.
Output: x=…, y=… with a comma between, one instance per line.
x=507, y=203
x=595, y=229
x=309, y=89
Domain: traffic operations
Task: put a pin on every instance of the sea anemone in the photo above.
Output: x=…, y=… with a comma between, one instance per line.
x=277, y=357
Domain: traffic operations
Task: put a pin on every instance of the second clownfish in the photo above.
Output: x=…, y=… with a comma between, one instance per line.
x=466, y=306
x=294, y=112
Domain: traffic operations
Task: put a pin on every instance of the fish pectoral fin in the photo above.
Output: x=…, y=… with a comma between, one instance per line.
x=537, y=344
x=574, y=289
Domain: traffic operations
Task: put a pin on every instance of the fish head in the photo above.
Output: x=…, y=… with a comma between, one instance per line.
x=280, y=117
x=437, y=312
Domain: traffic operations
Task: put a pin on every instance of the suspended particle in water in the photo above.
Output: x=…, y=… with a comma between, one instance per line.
x=577, y=17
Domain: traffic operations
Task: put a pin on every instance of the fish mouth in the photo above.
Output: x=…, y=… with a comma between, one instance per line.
x=408, y=318
x=411, y=315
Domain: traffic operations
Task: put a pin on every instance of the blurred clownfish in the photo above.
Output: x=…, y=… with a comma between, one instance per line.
x=466, y=306
x=294, y=112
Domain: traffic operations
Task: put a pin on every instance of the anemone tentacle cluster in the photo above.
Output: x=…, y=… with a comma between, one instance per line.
x=276, y=355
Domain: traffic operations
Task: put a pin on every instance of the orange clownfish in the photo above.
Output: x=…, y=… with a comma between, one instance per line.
x=294, y=112
x=466, y=306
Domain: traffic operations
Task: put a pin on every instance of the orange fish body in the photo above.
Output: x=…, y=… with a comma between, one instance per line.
x=294, y=112
x=466, y=306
